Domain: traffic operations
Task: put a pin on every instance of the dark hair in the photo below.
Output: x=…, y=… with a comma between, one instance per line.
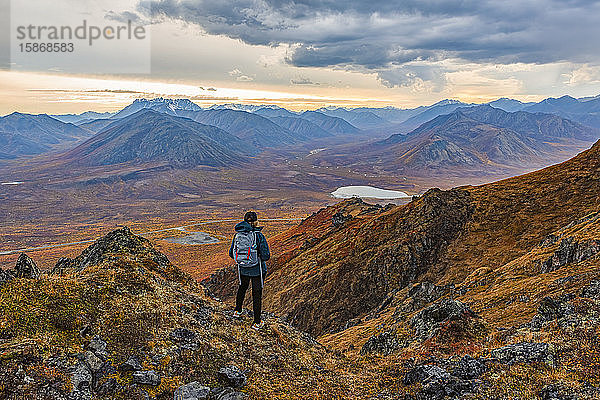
x=250, y=216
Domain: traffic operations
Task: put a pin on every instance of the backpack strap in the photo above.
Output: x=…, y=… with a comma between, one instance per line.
x=235, y=247
x=259, y=260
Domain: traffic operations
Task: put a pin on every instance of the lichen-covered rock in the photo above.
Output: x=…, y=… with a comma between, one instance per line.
x=425, y=374
x=570, y=251
x=150, y=378
x=553, y=309
x=226, y=394
x=108, y=387
x=429, y=320
x=97, y=345
x=192, y=391
x=437, y=383
x=81, y=380
x=232, y=376
x=185, y=338
x=6, y=276
x=92, y=361
x=556, y=392
x=467, y=368
x=384, y=343
x=132, y=364
x=339, y=219
x=26, y=268
x=119, y=241
x=525, y=352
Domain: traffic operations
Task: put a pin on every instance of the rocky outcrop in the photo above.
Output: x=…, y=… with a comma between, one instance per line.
x=119, y=243
x=150, y=378
x=5, y=276
x=525, y=352
x=92, y=365
x=448, y=380
x=420, y=295
x=232, y=376
x=185, y=338
x=192, y=391
x=430, y=320
x=570, y=251
x=592, y=290
x=384, y=343
x=26, y=268
x=557, y=309
x=340, y=219
x=352, y=271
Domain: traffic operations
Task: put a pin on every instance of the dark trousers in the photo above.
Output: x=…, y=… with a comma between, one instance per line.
x=256, y=295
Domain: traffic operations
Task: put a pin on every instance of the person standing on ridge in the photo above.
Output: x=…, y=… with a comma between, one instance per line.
x=250, y=250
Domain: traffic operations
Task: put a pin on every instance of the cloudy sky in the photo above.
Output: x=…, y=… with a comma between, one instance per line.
x=306, y=54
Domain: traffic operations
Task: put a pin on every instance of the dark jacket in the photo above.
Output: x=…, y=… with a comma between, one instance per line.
x=263, y=249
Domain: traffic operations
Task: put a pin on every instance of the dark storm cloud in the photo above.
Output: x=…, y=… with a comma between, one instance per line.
x=384, y=35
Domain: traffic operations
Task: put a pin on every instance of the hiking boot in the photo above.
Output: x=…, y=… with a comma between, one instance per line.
x=258, y=326
x=237, y=314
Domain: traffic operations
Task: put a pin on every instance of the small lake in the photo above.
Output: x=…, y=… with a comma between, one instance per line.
x=346, y=192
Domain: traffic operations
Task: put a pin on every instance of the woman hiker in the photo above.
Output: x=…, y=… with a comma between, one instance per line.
x=250, y=250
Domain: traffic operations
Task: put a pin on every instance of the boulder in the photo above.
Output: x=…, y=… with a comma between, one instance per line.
x=467, y=368
x=552, y=309
x=425, y=374
x=132, y=364
x=339, y=219
x=6, y=276
x=525, y=352
x=226, y=394
x=429, y=320
x=150, y=378
x=185, y=338
x=192, y=391
x=232, y=376
x=385, y=343
x=437, y=383
x=81, y=380
x=26, y=268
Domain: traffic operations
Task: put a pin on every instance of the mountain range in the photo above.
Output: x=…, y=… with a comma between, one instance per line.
x=446, y=134
x=151, y=136
x=27, y=135
x=473, y=137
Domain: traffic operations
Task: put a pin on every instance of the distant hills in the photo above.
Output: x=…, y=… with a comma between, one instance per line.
x=150, y=136
x=334, y=125
x=501, y=131
x=259, y=131
x=83, y=117
x=475, y=137
x=28, y=135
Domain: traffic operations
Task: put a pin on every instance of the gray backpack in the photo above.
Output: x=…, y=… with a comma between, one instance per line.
x=245, y=249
